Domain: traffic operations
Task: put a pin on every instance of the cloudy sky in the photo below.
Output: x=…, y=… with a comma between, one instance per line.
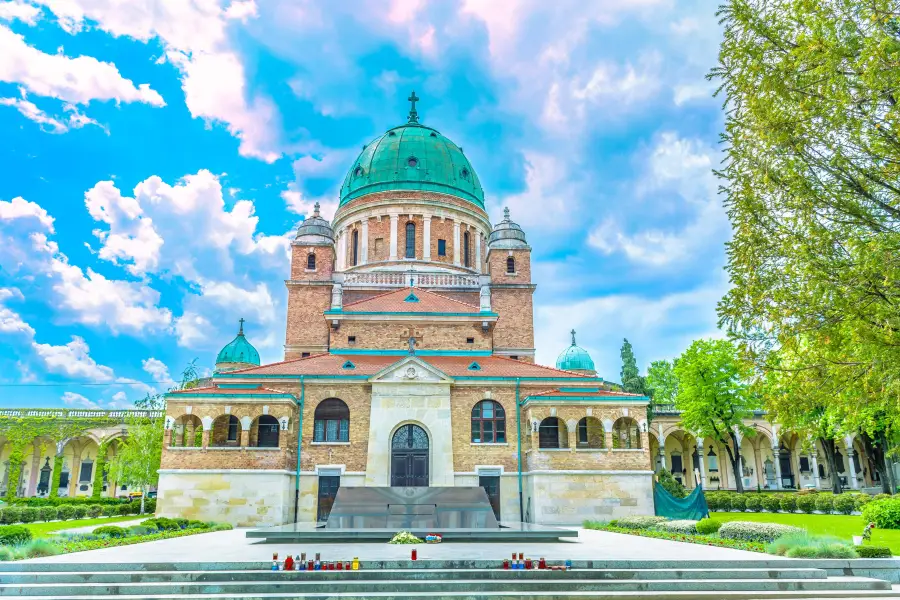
x=157, y=155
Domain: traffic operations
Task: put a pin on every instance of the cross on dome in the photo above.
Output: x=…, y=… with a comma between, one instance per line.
x=413, y=115
x=316, y=209
x=241, y=321
x=573, y=337
x=506, y=213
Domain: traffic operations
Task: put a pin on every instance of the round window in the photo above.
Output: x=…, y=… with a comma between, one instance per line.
x=465, y=173
x=358, y=172
x=412, y=161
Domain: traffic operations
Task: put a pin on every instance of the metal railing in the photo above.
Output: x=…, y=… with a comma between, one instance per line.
x=413, y=278
x=78, y=413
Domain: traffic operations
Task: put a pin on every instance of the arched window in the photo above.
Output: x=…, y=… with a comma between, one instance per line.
x=311, y=262
x=410, y=239
x=626, y=435
x=510, y=265
x=488, y=423
x=466, y=249
x=590, y=433
x=234, y=428
x=331, y=422
x=552, y=433
x=267, y=432
x=355, y=252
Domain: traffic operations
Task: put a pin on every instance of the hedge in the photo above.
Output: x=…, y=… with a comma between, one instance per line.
x=110, y=531
x=807, y=501
x=825, y=502
x=756, y=532
x=706, y=540
x=46, y=501
x=634, y=522
x=682, y=526
x=13, y=535
x=874, y=552
x=844, y=504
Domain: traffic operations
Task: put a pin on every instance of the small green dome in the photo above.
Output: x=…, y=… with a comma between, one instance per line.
x=238, y=350
x=575, y=358
x=412, y=157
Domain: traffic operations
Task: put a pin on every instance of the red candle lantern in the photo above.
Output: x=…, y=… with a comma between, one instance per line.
x=527, y=563
x=506, y=563
x=542, y=564
x=415, y=554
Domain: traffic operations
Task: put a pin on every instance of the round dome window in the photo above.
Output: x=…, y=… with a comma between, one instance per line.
x=412, y=161
x=358, y=172
x=465, y=173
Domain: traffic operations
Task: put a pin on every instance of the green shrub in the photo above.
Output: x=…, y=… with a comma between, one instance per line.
x=66, y=512
x=713, y=500
x=754, y=502
x=134, y=508
x=874, y=552
x=182, y=523
x=39, y=547
x=825, y=503
x=165, y=524
x=780, y=545
x=141, y=530
x=95, y=510
x=640, y=522
x=881, y=496
x=149, y=505
x=79, y=511
x=738, y=502
x=14, y=535
x=213, y=526
x=832, y=550
x=771, y=502
x=844, y=504
x=670, y=484
x=885, y=513
x=7, y=553
x=708, y=526
x=807, y=503
x=48, y=513
x=110, y=510
x=30, y=514
x=110, y=531
x=198, y=525
x=788, y=503
x=152, y=524
x=124, y=509
x=10, y=515
x=679, y=526
x=861, y=500
x=755, y=532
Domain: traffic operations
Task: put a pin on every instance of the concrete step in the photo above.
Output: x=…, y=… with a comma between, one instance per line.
x=79, y=577
x=416, y=588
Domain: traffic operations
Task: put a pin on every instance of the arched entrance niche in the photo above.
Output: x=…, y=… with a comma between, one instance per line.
x=409, y=456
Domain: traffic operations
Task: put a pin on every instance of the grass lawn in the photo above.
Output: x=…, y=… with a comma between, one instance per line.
x=840, y=526
x=45, y=529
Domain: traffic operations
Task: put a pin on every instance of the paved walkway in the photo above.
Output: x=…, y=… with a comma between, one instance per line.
x=233, y=546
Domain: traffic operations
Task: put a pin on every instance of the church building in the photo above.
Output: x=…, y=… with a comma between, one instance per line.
x=409, y=360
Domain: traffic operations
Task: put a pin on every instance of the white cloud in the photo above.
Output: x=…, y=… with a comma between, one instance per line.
x=301, y=204
x=19, y=208
x=192, y=330
x=30, y=111
x=16, y=9
x=78, y=401
x=77, y=80
x=549, y=200
x=120, y=400
x=159, y=371
x=242, y=10
x=11, y=321
x=73, y=360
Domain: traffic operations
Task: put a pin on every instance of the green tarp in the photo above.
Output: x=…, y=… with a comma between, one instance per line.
x=692, y=507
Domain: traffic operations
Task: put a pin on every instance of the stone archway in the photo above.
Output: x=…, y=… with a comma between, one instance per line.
x=409, y=456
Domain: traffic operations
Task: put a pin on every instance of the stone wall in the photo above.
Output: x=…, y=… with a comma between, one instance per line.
x=515, y=324
x=307, y=329
x=569, y=498
x=394, y=335
x=324, y=263
x=466, y=455
x=351, y=454
x=497, y=266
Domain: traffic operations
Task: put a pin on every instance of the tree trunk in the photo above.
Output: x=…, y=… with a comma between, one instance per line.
x=143, y=495
x=876, y=461
x=888, y=467
x=829, y=447
x=735, y=467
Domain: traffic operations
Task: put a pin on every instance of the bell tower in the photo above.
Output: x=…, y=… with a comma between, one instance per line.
x=509, y=265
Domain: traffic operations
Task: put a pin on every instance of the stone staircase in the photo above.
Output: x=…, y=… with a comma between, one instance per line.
x=432, y=579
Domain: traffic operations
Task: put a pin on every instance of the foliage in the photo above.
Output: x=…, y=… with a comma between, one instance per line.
x=861, y=500
x=126, y=508
x=708, y=526
x=771, y=502
x=404, y=537
x=807, y=503
x=788, y=503
x=59, y=501
x=639, y=522
x=79, y=511
x=844, y=503
x=713, y=395
x=110, y=510
x=49, y=513
x=165, y=524
x=198, y=524
x=713, y=500
x=30, y=514
x=139, y=453
x=753, y=503
x=110, y=531
x=56, y=476
x=14, y=535
x=803, y=545
x=737, y=502
x=678, y=526
x=671, y=485
x=661, y=382
x=66, y=512
x=755, y=532
x=141, y=530
x=874, y=552
x=825, y=502
x=884, y=513
x=632, y=382
x=11, y=514
x=810, y=183
x=94, y=510
x=708, y=540
x=100, y=469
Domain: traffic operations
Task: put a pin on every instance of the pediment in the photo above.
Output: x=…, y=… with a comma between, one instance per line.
x=410, y=369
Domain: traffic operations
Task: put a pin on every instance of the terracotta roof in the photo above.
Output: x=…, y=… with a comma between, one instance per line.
x=227, y=391
x=454, y=366
x=396, y=301
x=585, y=394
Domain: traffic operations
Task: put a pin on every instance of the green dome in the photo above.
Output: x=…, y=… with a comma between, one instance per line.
x=412, y=157
x=575, y=358
x=238, y=350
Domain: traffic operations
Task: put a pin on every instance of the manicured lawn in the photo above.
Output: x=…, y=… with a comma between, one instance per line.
x=840, y=526
x=45, y=529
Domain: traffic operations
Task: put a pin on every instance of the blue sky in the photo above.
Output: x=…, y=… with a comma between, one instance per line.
x=157, y=156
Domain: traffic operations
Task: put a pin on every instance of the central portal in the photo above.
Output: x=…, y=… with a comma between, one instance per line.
x=409, y=457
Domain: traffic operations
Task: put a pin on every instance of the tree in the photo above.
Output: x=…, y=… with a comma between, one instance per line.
x=811, y=188
x=632, y=382
x=137, y=460
x=713, y=396
x=661, y=382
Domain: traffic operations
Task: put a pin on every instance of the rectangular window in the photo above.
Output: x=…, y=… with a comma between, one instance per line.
x=233, y=430
x=87, y=469
x=677, y=467
x=64, y=479
x=319, y=431
x=344, y=431
x=331, y=431
x=514, y=357
x=304, y=355
x=351, y=339
x=470, y=340
x=804, y=464
x=442, y=247
x=476, y=431
x=501, y=432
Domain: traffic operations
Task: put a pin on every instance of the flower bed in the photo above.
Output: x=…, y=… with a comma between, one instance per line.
x=81, y=545
x=707, y=540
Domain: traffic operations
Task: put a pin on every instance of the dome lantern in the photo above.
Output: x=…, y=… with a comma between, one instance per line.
x=575, y=358
x=507, y=235
x=237, y=354
x=315, y=231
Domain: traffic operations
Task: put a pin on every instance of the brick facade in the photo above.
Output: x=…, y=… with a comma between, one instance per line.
x=394, y=335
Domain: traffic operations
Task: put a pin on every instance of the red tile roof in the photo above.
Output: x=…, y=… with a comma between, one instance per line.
x=228, y=391
x=395, y=301
x=585, y=394
x=453, y=366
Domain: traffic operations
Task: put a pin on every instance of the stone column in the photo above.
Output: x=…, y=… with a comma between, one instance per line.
x=190, y=431
x=758, y=465
x=395, y=219
x=339, y=253
x=776, y=454
x=478, y=251
x=814, y=465
x=426, y=237
x=456, y=243
x=364, y=242
x=204, y=443
x=245, y=438
x=851, y=468
x=167, y=438
x=31, y=490
x=699, y=444
x=74, y=473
